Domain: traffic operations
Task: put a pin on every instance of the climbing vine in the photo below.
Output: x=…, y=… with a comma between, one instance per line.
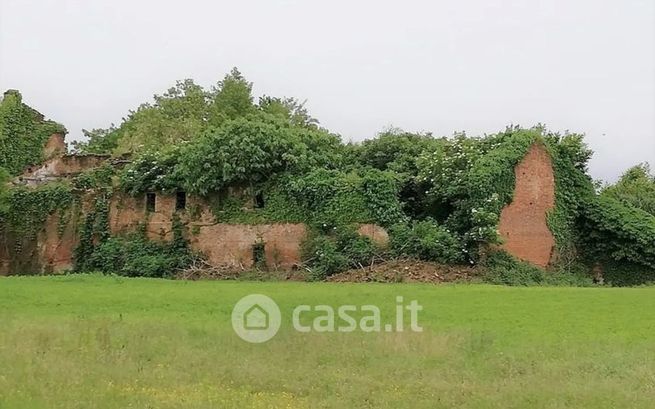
x=24, y=216
x=132, y=254
x=320, y=198
x=618, y=233
x=94, y=231
x=440, y=198
x=97, y=178
x=472, y=179
x=23, y=133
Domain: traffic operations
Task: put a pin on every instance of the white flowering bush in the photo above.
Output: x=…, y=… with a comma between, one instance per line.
x=152, y=171
x=470, y=180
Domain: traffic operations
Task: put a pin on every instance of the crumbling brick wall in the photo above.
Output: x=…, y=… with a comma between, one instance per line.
x=60, y=167
x=223, y=244
x=523, y=225
x=55, y=146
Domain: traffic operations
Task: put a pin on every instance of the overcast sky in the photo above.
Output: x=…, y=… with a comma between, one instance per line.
x=442, y=66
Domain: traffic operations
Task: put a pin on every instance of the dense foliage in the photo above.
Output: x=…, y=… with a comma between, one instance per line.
x=617, y=232
x=501, y=268
x=335, y=198
x=635, y=188
x=136, y=256
x=23, y=133
x=339, y=250
x=186, y=111
x=269, y=161
x=131, y=255
x=250, y=150
x=4, y=179
x=426, y=240
x=23, y=215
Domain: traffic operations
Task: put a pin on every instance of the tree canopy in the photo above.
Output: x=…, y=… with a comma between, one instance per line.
x=441, y=196
x=636, y=188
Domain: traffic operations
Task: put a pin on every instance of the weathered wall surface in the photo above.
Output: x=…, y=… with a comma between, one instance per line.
x=60, y=167
x=223, y=244
x=374, y=232
x=523, y=224
x=55, y=146
x=232, y=244
x=229, y=245
x=57, y=242
x=50, y=250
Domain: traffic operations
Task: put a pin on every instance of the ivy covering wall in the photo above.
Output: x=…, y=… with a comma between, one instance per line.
x=440, y=197
x=470, y=181
x=23, y=218
x=23, y=133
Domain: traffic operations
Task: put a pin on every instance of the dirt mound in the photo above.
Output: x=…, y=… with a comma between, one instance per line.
x=407, y=271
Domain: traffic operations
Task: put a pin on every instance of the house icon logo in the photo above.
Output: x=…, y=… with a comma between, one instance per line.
x=256, y=318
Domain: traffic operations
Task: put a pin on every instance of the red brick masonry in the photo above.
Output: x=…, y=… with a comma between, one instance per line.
x=523, y=222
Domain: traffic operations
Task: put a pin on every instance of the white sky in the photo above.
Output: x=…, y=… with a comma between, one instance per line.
x=443, y=66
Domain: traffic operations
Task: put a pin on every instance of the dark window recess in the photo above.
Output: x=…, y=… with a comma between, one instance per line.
x=259, y=255
x=151, y=199
x=180, y=201
x=259, y=200
x=223, y=195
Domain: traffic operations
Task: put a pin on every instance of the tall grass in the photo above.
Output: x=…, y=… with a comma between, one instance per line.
x=103, y=342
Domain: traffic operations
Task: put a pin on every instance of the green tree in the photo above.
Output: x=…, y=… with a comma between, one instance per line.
x=241, y=151
x=177, y=116
x=612, y=231
x=635, y=188
x=231, y=99
x=98, y=141
x=397, y=150
x=251, y=149
x=290, y=109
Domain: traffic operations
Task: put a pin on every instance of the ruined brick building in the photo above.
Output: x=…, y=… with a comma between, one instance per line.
x=522, y=224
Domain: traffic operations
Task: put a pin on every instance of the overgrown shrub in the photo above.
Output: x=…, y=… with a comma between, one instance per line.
x=325, y=254
x=251, y=149
x=132, y=255
x=152, y=171
x=323, y=257
x=622, y=274
x=503, y=269
x=100, y=177
x=617, y=232
x=135, y=256
x=636, y=188
x=359, y=250
x=335, y=198
x=4, y=178
x=426, y=240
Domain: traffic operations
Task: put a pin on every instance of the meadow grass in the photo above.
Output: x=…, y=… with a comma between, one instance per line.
x=87, y=341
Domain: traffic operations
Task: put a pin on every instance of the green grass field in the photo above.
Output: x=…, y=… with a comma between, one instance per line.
x=104, y=342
